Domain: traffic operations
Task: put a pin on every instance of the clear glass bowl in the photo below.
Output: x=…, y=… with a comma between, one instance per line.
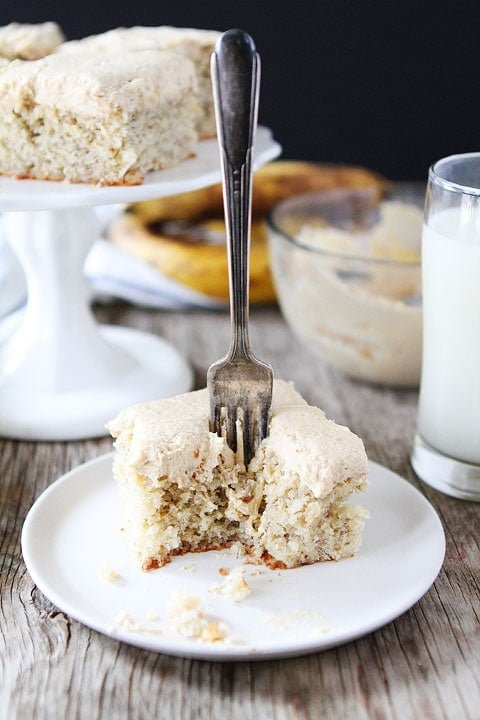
x=347, y=272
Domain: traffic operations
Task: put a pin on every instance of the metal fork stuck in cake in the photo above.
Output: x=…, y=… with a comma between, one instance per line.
x=240, y=385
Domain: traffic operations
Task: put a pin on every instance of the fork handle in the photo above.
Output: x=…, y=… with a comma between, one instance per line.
x=235, y=70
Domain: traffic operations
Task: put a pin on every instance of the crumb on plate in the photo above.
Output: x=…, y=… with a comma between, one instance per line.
x=188, y=618
x=234, y=585
x=108, y=574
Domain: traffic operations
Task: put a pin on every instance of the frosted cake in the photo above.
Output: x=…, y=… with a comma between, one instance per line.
x=195, y=44
x=105, y=120
x=26, y=41
x=181, y=489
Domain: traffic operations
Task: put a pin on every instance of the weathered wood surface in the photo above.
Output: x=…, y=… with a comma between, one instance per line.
x=425, y=664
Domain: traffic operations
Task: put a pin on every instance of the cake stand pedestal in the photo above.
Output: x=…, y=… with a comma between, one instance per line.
x=63, y=376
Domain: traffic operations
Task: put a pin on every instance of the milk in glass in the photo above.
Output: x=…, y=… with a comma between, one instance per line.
x=449, y=409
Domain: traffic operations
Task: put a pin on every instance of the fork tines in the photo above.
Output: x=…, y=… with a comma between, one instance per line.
x=240, y=401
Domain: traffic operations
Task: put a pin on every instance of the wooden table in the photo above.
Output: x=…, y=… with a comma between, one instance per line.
x=425, y=664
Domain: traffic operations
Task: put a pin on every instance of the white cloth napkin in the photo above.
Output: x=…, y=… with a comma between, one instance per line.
x=117, y=273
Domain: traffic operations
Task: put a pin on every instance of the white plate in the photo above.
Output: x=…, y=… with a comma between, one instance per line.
x=73, y=529
x=191, y=174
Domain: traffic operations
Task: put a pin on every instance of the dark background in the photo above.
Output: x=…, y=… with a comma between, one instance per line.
x=389, y=85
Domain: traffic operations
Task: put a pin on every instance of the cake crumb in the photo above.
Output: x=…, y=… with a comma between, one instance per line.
x=214, y=632
x=152, y=616
x=188, y=618
x=125, y=621
x=318, y=624
x=236, y=550
x=234, y=585
x=223, y=571
x=108, y=574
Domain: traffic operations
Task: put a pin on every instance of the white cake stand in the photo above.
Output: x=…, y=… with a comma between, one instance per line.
x=62, y=376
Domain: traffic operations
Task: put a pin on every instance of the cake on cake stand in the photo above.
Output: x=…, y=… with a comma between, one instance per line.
x=62, y=375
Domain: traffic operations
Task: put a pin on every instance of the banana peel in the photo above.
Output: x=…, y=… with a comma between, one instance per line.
x=191, y=258
x=183, y=236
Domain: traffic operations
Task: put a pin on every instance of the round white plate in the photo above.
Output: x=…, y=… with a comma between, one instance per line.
x=191, y=174
x=73, y=530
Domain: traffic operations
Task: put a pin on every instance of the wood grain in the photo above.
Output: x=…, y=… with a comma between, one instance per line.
x=425, y=664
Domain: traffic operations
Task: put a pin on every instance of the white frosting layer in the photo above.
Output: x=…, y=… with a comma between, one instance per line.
x=308, y=445
x=171, y=437
x=86, y=84
x=142, y=38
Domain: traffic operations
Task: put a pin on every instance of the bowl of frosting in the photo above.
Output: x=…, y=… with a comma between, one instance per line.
x=347, y=272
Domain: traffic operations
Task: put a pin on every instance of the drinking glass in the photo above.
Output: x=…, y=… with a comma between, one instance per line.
x=446, y=450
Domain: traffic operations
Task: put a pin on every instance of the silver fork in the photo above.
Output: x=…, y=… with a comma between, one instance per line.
x=240, y=385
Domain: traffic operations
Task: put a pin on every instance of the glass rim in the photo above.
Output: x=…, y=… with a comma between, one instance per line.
x=435, y=175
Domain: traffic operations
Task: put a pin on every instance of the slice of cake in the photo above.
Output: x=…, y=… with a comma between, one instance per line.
x=182, y=490
x=24, y=41
x=193, y=43
x=106, y=120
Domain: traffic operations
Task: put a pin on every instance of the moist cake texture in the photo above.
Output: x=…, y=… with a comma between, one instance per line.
x=193, y=43
x=182, y=490
x=106, y=120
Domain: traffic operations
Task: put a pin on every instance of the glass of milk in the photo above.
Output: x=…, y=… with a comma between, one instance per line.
x=446, y=452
